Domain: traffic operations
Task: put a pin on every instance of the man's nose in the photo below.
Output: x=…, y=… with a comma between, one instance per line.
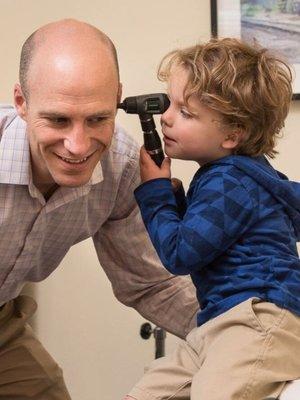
x=77, y=141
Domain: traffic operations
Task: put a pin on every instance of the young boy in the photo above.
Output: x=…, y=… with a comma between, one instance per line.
x=236, y=231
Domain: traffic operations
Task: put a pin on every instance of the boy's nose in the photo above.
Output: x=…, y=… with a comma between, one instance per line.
x=166, y=118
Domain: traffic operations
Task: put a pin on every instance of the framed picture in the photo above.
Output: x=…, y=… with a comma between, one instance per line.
x=275, y=24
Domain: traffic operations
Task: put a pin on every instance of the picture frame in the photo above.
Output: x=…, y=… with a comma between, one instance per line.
x=273, y=26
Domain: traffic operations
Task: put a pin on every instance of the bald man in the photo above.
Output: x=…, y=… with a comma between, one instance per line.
x=66, y=174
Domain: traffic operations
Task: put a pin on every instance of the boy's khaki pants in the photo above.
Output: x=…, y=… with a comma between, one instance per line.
x=27, y=371
x=246, y=353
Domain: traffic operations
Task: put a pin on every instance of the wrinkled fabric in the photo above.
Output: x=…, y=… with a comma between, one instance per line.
x=235, y=234
x=36, y=235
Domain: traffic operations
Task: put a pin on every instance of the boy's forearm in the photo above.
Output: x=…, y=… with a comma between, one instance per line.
x=179, y=193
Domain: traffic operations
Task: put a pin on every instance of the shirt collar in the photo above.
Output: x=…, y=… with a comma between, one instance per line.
x=14, y=153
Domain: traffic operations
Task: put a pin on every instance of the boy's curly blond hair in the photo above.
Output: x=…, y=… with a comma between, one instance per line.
x=248, y=85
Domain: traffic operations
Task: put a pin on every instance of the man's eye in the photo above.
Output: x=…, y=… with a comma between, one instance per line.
x=58, y=121
x=95, y=120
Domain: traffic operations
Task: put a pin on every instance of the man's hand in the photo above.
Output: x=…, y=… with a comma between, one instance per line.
x=149, y=170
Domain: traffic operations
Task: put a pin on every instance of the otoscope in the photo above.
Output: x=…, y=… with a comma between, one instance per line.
x=145, y=106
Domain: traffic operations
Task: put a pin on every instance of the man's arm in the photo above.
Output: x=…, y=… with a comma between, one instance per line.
x=140, y=281
x=127, y=255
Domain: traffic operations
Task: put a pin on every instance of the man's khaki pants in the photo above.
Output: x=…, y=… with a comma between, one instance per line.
x=247, y=353
x=27, y=371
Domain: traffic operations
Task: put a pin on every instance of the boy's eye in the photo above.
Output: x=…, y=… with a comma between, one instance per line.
x=185, y=113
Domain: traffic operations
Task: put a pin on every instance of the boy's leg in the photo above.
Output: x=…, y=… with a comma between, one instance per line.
x=170, y=377
x=27, y=371
x=246, y=353
x=252, y=350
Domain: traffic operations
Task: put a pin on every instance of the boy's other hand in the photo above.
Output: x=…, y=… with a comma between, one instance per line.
x=149, y=170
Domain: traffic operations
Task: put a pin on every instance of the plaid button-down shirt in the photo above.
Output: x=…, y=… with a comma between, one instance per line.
x=36, y=235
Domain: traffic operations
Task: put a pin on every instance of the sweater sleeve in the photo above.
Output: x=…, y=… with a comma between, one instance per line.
x=180, y=197
x=220, y=211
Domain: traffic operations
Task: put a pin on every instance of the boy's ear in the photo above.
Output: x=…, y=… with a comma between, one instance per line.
x=20, y=101
x=232, y=139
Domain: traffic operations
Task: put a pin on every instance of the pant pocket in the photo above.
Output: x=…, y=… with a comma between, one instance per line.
x=264, y=315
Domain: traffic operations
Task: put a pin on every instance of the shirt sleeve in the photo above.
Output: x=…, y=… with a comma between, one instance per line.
x=134, y=269
x=220, y=211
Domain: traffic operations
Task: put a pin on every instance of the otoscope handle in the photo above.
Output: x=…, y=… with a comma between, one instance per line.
x=157, y=155
x=157, y=158
x=152, y=140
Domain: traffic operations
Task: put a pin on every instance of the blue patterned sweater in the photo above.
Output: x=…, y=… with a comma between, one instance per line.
x=235, y=233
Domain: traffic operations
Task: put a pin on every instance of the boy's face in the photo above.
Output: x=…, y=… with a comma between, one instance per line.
x=192, y=131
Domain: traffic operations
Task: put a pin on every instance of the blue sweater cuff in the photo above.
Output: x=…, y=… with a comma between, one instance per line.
x=150, y=188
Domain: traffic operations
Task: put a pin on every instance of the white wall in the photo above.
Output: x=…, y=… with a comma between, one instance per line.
x=91, y=335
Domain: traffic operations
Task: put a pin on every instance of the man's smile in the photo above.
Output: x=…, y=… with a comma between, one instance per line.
x=74, y=160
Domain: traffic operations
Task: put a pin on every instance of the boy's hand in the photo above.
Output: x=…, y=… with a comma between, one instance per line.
x=149, y=170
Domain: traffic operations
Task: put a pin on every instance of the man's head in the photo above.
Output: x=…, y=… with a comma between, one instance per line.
x=68, y=93
x=248, y=86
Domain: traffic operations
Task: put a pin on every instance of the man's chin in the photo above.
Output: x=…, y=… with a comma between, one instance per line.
x=71, y=182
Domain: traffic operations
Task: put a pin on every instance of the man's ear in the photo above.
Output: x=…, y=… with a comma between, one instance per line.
x=20, y=101
x=119, y=96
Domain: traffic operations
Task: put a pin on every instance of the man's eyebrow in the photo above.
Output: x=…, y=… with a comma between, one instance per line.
x=101, y=114
x=54, y=114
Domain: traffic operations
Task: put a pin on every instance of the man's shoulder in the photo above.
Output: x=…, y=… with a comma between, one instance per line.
x=7, y=110
x=122, y=159
x=123, y=144
x=7, y=115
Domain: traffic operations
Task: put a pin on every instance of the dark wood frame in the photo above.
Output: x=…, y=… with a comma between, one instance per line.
x=214, y=29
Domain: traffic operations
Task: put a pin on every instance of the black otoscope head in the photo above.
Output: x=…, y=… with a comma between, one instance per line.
x=145, y=106
x=154, y=103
